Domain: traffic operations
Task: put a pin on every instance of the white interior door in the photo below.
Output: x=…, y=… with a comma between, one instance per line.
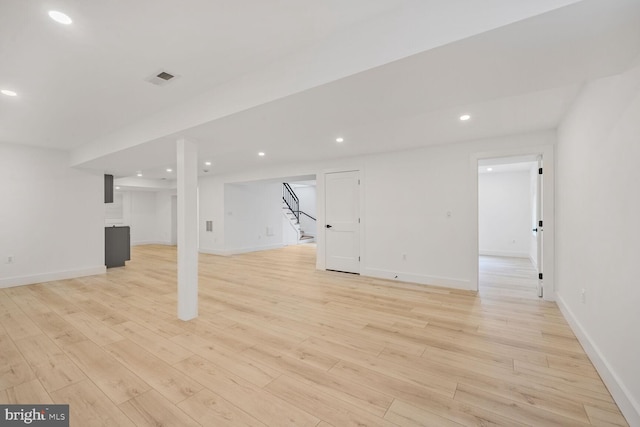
x=539, y=226
x=342, y=227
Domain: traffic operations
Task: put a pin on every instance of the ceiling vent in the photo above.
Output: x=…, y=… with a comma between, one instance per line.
x=161, y=78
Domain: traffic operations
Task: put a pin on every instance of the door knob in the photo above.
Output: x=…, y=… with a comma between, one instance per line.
x=328, y=226
x=535, y=229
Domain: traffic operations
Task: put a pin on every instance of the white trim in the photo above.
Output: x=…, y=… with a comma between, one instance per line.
x=243, y=250
x=213, y=252
x=505, y=254
x=152, y=242
x=51, y=276
x=446, y=282
x=623, y=398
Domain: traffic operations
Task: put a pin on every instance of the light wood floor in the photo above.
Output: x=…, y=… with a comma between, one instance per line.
x=507, y=277
x=278, y=343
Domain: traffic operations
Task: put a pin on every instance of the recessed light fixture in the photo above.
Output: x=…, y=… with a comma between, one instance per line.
x=169, y=170
x=8, y=92
x=207, y=163
x=117, y=188
x=489, y=169
x=60, y=17
x=261, y=154
x=465, y=117
x=139, y=173
x=340, y=139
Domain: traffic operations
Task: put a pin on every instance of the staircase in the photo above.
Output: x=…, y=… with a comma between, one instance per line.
x=302, y=237
x=291, y=211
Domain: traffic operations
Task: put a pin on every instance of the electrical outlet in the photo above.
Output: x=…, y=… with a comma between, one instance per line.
x=583, y=296
x=10, y=259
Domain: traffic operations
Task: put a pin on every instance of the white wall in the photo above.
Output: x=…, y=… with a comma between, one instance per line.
x=165, y=217
x=597, y=246
x=211, y=208
x=253, y=216
x=504, y=213
x=148, y=213
x=425, y=183
x=51, y=217
x=143, y=218
x=290, y=235
x=308, y=195
x=408, y=196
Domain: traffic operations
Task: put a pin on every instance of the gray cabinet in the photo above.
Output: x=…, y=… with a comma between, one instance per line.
x=117, y=246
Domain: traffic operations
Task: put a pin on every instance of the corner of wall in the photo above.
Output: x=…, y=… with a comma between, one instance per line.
x=629, y=407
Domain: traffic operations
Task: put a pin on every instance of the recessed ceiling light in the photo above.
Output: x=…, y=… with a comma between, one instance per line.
x=117, y=188
x=139, y=174
x=340, y=139
x=169, y=170
x=489, y=169
x=207, y=163
x=261, y=154
x=8, y=92
x=60, y=17
x=465, y=117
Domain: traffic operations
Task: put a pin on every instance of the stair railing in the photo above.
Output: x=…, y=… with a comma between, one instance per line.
x=291, y=200
x=304, y=213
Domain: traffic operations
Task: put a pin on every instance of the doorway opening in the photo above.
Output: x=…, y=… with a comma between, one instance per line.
x=260, y=216
x=509, y=237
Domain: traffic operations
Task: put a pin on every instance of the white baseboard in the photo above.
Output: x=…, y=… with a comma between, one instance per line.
x=446, y=282
x=627, y=404
x=151, y=242
x=505, y=253
x=213, y=252
x=241, y=250
x=51, y=276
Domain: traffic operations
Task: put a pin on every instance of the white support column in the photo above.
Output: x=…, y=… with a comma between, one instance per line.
x=187, y=155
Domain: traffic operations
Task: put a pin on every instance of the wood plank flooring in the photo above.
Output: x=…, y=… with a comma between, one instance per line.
x=278, y=343
x=507, y=277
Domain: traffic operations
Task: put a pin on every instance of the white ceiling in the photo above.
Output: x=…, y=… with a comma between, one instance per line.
x=85, y=80
x=81, y=87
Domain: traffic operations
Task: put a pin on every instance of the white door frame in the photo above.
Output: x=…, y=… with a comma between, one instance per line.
x=548, y=261
x=539, y=228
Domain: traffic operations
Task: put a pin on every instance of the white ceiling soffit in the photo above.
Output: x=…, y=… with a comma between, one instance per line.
x=275, y=51
x=515, y=79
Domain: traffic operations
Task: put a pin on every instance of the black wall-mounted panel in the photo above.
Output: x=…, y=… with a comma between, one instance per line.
x=108, y=188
